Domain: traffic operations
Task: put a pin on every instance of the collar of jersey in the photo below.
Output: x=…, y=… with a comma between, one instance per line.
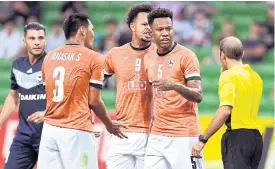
x=72, y=44
x=144, y=48
x=40, y=57
x=165, y=53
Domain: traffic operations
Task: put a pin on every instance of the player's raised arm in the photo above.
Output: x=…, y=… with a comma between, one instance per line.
x=11, y=101
x=95, y=101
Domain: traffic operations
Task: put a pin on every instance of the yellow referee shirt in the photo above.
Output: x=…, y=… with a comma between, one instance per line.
x=241, y=87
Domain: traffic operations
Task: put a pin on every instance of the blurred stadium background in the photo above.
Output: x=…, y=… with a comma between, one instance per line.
x=198, y=25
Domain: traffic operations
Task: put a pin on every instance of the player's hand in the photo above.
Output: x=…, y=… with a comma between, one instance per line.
x=115, y=129
x=197, y=148
x=37, y=117
x=163, y=84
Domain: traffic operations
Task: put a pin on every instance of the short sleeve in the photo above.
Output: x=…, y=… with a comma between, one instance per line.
x=14, y=84
x=226, y=90
x=108, y=66
x=97, y=67
x=190, y=67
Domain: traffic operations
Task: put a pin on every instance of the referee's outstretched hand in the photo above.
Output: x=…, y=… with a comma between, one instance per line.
x=197, y=148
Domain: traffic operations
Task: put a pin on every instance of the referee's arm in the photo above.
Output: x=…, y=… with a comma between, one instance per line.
x=227, y=97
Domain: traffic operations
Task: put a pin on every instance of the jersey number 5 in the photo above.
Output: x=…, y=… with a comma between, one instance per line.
x=58, y=93
x=160, y=71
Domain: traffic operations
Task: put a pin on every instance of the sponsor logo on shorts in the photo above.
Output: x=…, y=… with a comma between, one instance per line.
x=84, y=162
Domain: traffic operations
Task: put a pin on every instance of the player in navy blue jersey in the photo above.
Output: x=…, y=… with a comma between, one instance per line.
x=28, y=92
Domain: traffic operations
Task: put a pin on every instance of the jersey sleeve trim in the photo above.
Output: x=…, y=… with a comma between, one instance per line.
x=107, y=74
x=226, y=103
x=99, y=86
x=14, y=86
x=96, y=82
x=193, y=76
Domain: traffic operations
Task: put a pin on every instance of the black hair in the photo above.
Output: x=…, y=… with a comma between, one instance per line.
x=34, y=26
x=136, y=9
x=232, y=48
x=159, y=13
x=73, y=23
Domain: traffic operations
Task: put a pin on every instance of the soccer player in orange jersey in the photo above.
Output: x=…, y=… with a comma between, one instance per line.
x=134, y=94
x=73, y=77
x=174, y=72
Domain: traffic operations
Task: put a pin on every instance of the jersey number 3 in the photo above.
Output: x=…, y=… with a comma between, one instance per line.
x=58, y=92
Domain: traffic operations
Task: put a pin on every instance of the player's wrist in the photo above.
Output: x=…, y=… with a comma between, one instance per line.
x=202, y=139
x=108, y=123
x=176, y=86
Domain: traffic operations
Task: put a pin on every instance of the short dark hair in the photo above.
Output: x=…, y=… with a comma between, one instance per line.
x=136, y=9
x=34, y=26
x=72, y=23
x=159, y=13
x=232, y=48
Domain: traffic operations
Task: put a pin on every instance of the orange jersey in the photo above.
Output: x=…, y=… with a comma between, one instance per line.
x=173, y=114
x=68, y=72
x=134, y=94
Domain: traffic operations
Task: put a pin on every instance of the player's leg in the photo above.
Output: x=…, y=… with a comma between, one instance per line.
x=21, y=156
x=258, y=150
x=237, y=149
x=226, y=155
x=139, y=148
x=179, y=156
x=154, y=157
x=49, y=156
x=118, y=161
x=127, y=153
x=77, y=148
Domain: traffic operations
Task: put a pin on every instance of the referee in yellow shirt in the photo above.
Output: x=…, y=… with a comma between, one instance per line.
x=240, y=92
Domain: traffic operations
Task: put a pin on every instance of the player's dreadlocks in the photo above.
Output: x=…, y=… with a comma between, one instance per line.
x=136, y=9
x=159, y=13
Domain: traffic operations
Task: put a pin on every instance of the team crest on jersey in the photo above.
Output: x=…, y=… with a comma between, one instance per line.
x=170, y=63
x=124, y=57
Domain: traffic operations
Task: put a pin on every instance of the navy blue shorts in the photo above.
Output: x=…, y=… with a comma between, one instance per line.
x=23, y=153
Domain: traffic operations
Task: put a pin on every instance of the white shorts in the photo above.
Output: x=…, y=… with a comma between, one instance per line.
x=63, y=148
x=171, y=153
x=127, y=153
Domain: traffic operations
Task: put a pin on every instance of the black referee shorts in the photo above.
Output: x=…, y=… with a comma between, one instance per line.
x=241, y=149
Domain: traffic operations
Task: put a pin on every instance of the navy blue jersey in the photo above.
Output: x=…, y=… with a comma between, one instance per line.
x=27, y=79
